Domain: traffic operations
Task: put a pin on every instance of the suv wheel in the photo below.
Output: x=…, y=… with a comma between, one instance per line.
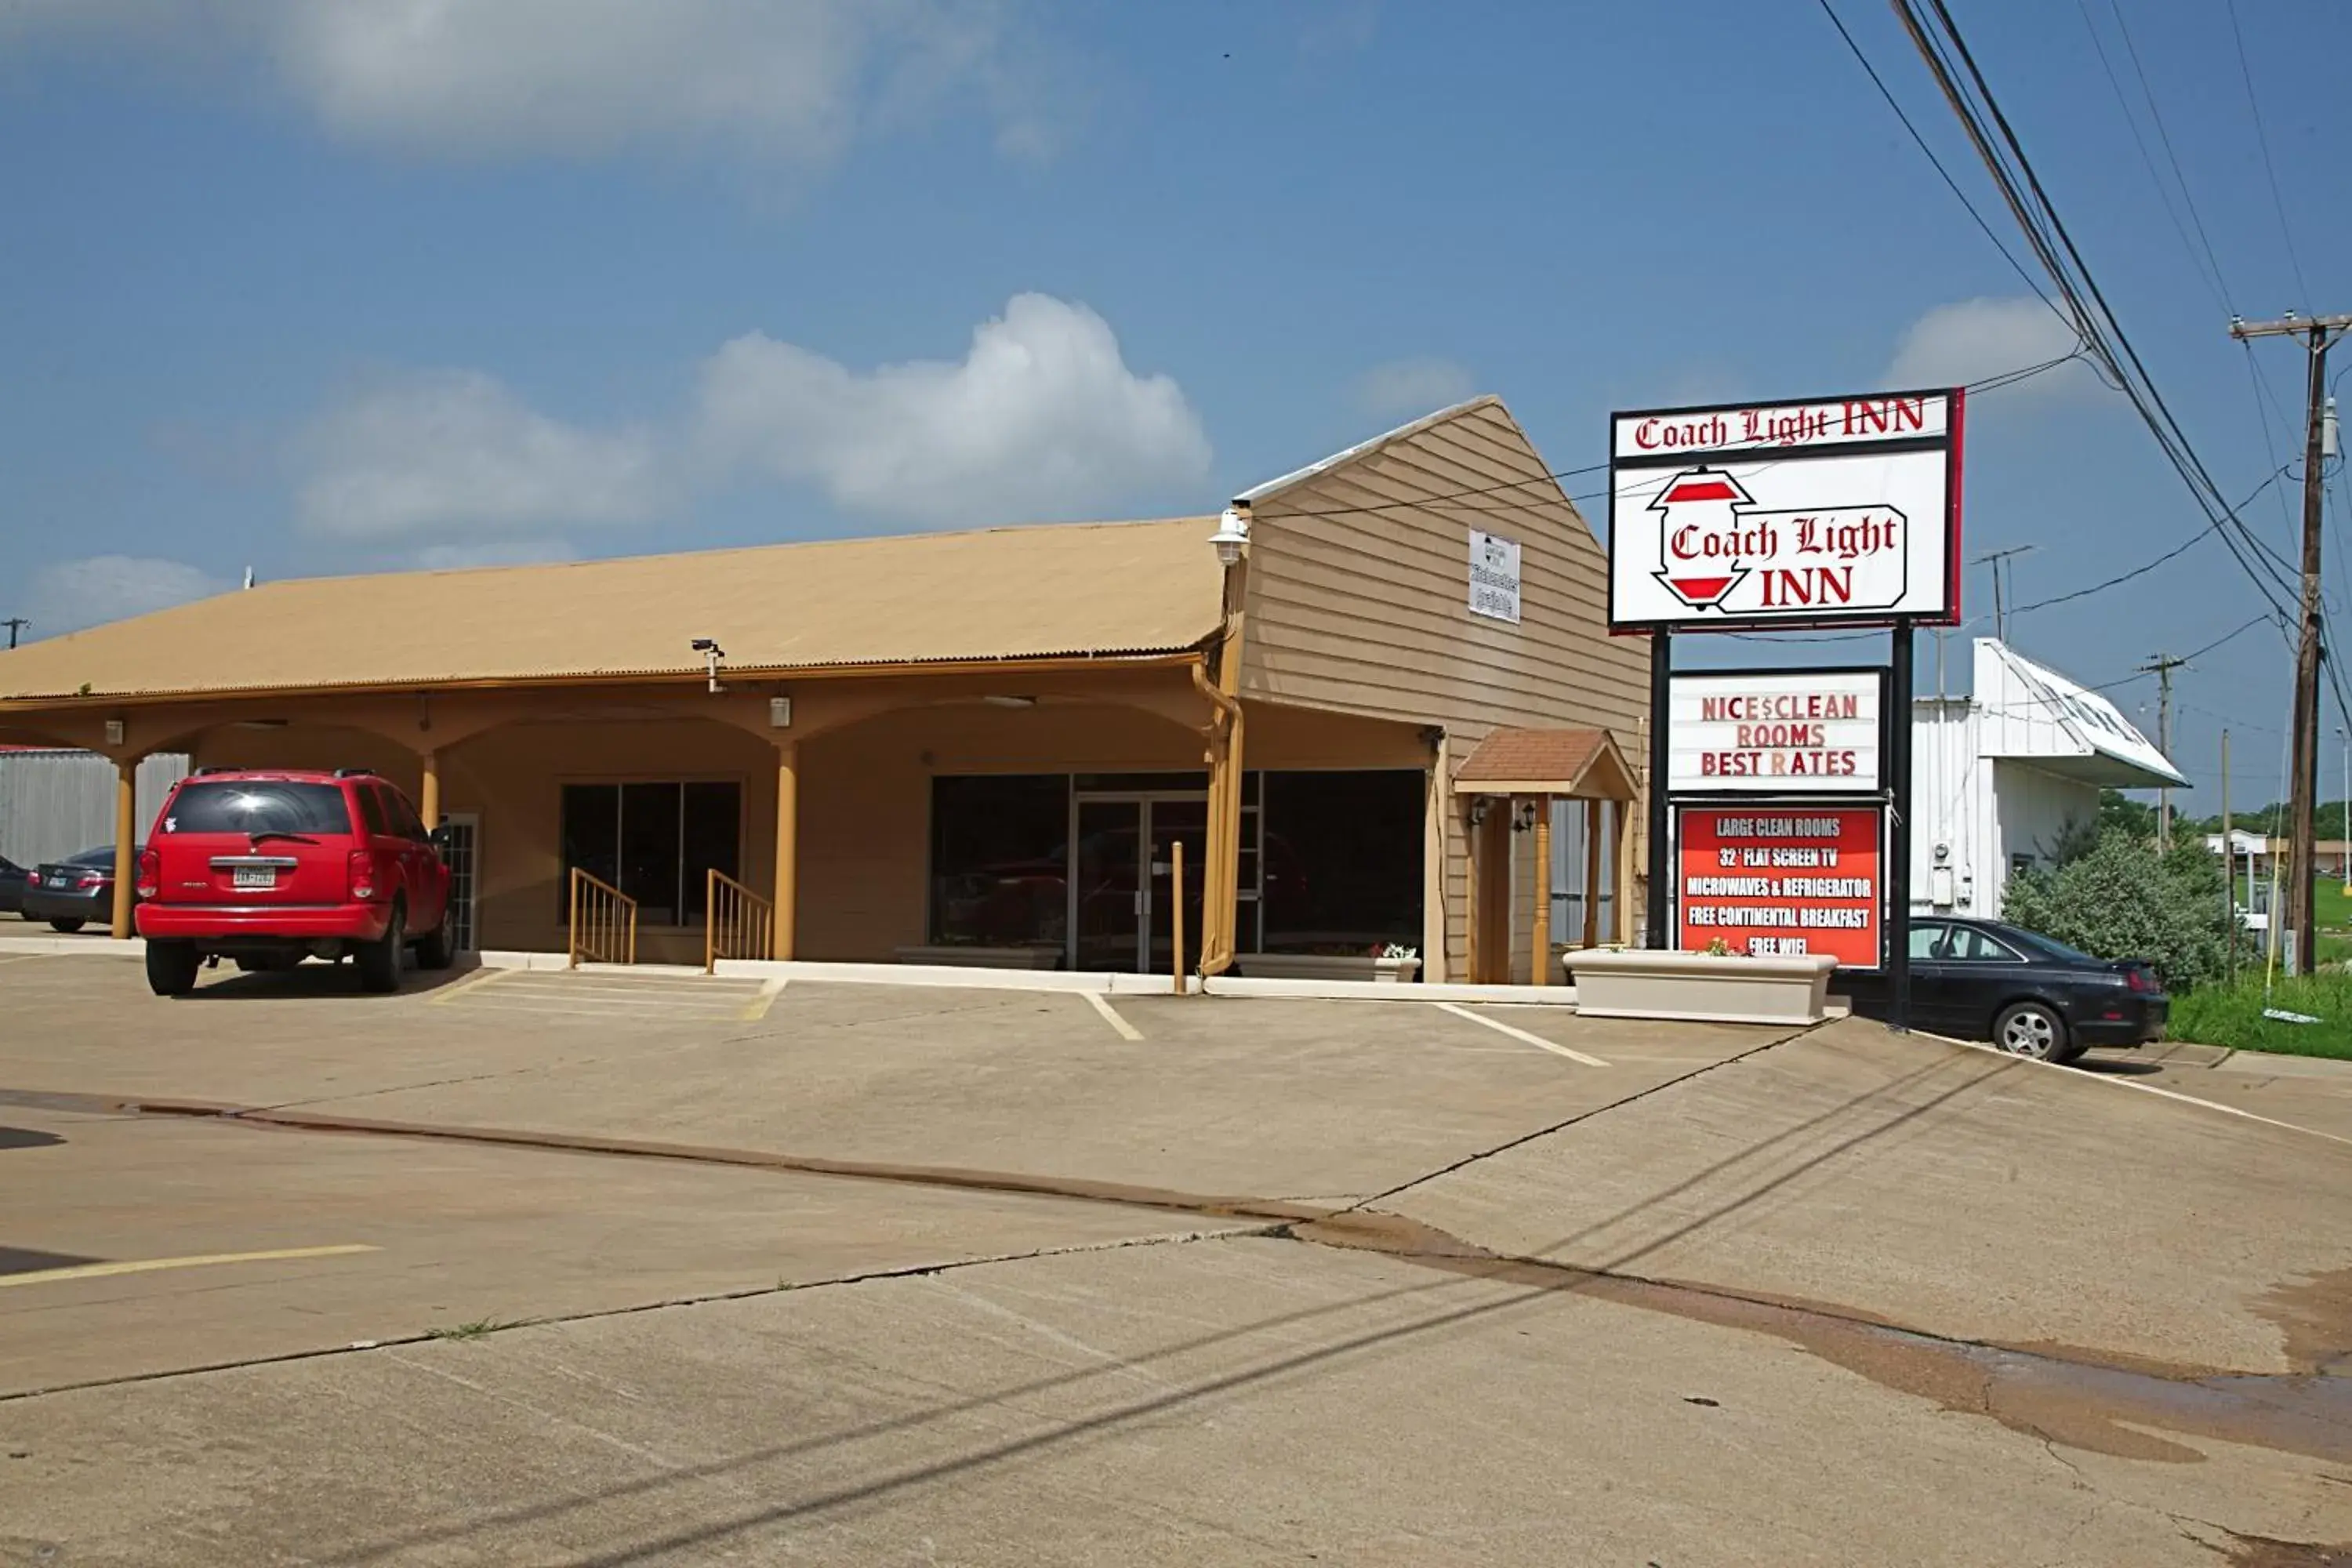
x=69, y=925
x=172, y=968
x=379, y=960
x=434, y=949
x=2031, y=1029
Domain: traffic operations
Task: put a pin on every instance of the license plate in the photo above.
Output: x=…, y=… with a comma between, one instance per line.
x=60, y=881
x=253, y=876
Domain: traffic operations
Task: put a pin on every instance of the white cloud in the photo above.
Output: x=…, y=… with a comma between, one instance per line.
x=1042, y=418
x=1972, y=340
x=67, y=596
x=793, y=79
x=1412, y=386
x=454, y=450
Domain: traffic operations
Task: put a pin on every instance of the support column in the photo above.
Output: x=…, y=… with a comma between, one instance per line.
x=1539, y=971
x=1592, y=841
x=1898, y=906
x=428, y=795
x=788, y=849
x=1625, y=873
x=1435, y=853
x=1473, y=896
x=126, y=835
x=1657, y=917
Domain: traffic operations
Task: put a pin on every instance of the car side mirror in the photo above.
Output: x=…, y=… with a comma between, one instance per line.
x=440, y=837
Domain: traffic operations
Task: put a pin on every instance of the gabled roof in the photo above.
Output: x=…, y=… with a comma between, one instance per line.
x=1297, y=477
x=2032, y=713
x=1547, y=761
x=1082, y=590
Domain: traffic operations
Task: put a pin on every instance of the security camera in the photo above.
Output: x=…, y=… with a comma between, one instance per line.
x=711, y=654
x=708, y=645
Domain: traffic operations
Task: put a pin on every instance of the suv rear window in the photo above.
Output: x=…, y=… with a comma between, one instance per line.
x=257, y=806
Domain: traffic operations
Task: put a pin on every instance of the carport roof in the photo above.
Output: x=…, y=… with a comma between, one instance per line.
x=1066, y=590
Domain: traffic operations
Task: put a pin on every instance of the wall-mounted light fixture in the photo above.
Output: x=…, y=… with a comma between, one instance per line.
x=1233, y=533
x=1523, y=817
x=1479, y=805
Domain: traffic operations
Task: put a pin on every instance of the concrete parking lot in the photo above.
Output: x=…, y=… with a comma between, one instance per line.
x=529, y=1267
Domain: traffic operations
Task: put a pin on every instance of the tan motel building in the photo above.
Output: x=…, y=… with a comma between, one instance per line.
x=981, y=747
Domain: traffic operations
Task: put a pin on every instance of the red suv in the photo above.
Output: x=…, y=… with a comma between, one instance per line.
x=267, y=867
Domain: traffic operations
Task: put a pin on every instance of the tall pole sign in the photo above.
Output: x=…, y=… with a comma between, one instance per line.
x=1836, y=513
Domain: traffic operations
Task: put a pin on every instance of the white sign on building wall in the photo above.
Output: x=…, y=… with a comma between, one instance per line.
x=1494, y=576
x=1842, y=512
x=1774, y=732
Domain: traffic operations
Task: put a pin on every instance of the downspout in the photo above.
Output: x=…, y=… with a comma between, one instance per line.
x=1221, y=877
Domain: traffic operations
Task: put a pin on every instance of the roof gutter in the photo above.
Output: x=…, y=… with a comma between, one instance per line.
x=1051, y=663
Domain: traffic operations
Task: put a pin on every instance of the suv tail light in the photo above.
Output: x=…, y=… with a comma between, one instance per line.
x=362, y=874
x=2137, y=978
x=151, y=874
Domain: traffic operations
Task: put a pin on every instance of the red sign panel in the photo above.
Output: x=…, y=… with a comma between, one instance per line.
x=1779, y=880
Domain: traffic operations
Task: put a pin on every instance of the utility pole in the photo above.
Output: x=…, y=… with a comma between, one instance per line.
x=14, y=624
x=2161, y=667
x=2000, y=599
x=2317, y=333
x=2230, y=861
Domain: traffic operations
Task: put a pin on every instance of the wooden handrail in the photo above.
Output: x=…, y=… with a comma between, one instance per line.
x=735, y=922
x=604, y=924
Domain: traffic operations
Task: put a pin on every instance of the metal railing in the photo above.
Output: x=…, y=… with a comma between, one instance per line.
x=736, y=923
x=603, y=922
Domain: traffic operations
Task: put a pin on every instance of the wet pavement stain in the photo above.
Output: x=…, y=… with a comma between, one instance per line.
x=2314, y=1314
x=2078, y=1403
x=2260, y=1552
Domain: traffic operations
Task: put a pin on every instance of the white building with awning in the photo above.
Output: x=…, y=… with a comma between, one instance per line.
x=1999, y=775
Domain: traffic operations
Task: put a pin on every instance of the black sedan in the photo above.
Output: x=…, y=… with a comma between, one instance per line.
x=12, y=886
x=1982, y=979
x=76, y=891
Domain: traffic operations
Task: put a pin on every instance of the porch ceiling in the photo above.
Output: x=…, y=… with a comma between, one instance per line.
x=1072, y=590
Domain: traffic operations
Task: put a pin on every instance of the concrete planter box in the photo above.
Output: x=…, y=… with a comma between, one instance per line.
x=955, y=955
x=1701, y=987
x=1328, y=966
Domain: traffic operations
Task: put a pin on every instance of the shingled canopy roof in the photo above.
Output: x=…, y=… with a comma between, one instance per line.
x=1547, y=761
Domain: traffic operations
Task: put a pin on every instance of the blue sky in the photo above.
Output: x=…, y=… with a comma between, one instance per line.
x=345, y=284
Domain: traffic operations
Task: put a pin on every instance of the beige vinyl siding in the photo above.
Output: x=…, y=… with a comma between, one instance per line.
x=1358, y=603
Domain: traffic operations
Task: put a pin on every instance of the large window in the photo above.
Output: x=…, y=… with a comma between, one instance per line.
x=1000, y=860
x=656, y=842
x=1341, y=859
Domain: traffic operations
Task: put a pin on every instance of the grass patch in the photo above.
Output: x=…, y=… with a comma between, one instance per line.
x=2232, y=1016
x=481, y=1328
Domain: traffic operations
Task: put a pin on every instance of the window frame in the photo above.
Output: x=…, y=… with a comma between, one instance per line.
x=616, y=781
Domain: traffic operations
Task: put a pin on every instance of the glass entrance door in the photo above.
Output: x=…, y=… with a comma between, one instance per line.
x=1120, y=917
x=1173, y=822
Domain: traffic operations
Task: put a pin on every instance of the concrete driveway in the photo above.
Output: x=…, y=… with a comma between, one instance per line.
x=858, y=1274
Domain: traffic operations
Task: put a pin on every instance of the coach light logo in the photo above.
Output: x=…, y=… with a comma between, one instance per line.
x=1719, y=547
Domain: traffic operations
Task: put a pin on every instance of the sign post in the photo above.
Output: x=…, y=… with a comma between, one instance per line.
x=1833, y=512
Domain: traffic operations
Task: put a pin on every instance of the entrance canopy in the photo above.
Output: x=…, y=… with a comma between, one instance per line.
x=1584, y=763
x=2034, y=714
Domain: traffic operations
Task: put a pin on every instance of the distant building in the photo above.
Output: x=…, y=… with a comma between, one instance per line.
x=56, y=801
x=1998, y=776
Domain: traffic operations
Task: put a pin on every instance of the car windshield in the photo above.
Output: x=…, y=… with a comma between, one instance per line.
x=258, y=805
x=2047, y=947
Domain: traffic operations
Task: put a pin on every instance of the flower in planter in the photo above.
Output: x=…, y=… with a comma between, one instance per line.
x=1397, y=950
x=1719, y=948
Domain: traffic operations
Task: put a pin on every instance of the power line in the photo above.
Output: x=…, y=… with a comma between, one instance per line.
x=2096, y=322
x=2262, y=139
x=1954, y=185
x=2208, y=271
x=2146, y=567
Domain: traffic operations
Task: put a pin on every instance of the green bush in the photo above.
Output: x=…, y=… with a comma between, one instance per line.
x=2120, y=899
x=2232, y=1015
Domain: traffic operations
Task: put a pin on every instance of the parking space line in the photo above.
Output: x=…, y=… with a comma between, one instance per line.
x=757, y=1008
x=527, y=1007
x=467, y=986
x=1127, y=1031
x=151, y=1265
x=1518, y=1034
